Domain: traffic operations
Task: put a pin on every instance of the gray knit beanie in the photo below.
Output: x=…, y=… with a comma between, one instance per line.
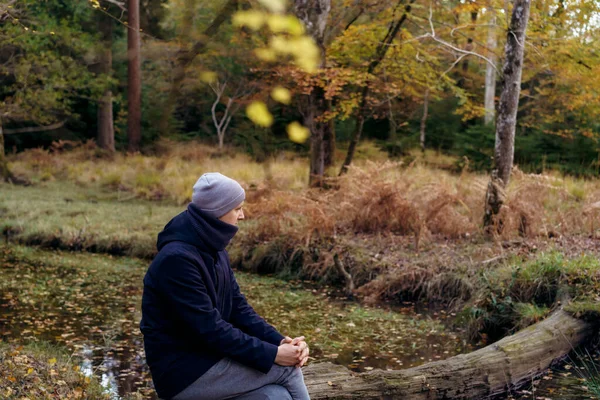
x=217, y=194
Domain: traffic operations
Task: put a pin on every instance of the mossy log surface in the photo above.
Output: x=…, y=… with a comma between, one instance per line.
x=485, y=373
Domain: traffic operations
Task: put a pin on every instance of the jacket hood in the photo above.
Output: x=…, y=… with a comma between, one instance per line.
x=197, y=228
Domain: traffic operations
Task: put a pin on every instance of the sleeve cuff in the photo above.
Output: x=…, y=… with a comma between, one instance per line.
x=275, y=338
x=268, y=360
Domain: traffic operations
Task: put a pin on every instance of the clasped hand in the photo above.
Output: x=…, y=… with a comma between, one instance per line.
x=292, y=352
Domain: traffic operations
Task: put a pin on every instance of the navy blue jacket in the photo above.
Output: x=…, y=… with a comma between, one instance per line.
x=193, y=313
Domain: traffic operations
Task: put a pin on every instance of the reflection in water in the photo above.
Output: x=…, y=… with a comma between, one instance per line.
x=577, y=378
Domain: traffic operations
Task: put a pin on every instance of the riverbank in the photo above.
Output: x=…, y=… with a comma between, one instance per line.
x=525, y=277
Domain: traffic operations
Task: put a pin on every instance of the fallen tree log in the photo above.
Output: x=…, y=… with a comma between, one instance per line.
x=484, y=373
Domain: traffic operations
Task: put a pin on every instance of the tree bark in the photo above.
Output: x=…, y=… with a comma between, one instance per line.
x=380, y=53
x=134, y=78
x=4, y=170
x=329, y=138
x=491, y=371
x=469, y=46
x=490, y=73
x=424, y=119
x=314, y=15
x=106, y=132
x=509, y=102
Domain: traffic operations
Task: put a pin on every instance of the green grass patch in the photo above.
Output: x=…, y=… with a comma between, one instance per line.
x=44, y=371
x=65, y=216
x=520, y=293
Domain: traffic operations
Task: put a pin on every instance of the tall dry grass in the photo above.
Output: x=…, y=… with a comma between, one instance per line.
x=373, y=198
x=295, y=228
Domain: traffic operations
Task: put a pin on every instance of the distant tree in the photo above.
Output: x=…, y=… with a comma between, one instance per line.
x=105, y=137
x=227, y=103
x=507, y=110
x=490, y=70
x=43, y=65
x=314, y=14
x=134, y=77
x=377, y=58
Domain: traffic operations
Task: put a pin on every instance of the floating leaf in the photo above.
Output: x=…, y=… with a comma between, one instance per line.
x=208, y=76
x=281, y=95
x=251, y=19
x=276, y=6
x=297, y=133
x=259, y=114
x=266, y=54
x=285, y=24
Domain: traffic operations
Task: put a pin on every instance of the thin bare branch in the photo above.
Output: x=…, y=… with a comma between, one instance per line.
x=35, y=128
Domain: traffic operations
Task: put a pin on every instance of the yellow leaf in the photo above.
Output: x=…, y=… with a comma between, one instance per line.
x=276, y=6
x=304, y=49
x=208, y=76
x=306, y=53
x=266, y=54
x=259, y=114
x=29, y=371
x=52, y=361
x=285, y=23
x=297, y=133
x=281, y=95
x=252, y=19
x=279, y=44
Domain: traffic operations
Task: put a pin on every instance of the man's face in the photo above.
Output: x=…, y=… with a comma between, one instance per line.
x=233, y=216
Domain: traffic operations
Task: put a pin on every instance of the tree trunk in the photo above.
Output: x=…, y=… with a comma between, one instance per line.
x=380, y=53
x=134, y=78
x=424, y=119
x=329, y=138
x=4, y=171
x=106, y=132
x=314, y=15
x=509, y=101
x=490, y=73
x=488, y=372
x=317, y=136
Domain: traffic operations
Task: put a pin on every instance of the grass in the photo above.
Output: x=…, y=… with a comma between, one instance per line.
x=71, y=217
x=588, y=371
x=520, y=293
x=44, y=371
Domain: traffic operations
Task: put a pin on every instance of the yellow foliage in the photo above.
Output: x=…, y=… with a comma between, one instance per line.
x=251, y=19
x=276, y=6
x=258, y=113
x=208, y=76
x=303, y=49
x=285, y=24
x=281, y=95
x=266, y=54
x=298, y=133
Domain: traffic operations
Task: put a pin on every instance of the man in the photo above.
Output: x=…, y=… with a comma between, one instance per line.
x=203, y=341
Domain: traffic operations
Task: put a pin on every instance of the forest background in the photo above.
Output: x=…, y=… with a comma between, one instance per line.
x=65, y=62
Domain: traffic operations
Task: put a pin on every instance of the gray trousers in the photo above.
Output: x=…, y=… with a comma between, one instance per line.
x=229, y=379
